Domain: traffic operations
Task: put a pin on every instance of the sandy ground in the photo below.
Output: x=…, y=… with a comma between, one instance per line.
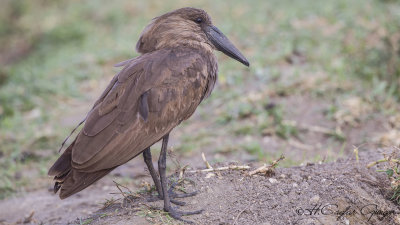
x=343, y=192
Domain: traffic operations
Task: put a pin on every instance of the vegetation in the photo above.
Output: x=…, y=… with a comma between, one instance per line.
x=339, y=58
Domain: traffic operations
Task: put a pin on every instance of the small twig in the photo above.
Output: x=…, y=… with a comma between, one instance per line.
x=240, y=213
x=110, y=202
x=244, y=167
x=120, y=190
x=381, y=161
x=29, y=218
x=66, y=139
x=205, y=161
x=356, y=153
x=124, y=193
x=182, y=172
x=311, y=128
x=267, y=168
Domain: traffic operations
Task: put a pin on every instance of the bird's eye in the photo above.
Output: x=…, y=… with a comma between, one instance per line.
x=199, y=20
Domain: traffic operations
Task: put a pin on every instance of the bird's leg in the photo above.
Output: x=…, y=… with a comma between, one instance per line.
x=162, y=165
x=153, y=173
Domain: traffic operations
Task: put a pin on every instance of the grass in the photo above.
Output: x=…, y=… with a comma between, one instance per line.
x=157, y=216
x=254, y=148
x=54, y=54
x=85, y=222
x=392, y=169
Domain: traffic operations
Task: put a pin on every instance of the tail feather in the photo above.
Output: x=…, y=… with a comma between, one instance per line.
x=63, y=164
x=76, y=181
x=68, y=179
x=57, y=186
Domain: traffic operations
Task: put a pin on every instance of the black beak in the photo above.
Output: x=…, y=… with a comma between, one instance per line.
x=222, y=43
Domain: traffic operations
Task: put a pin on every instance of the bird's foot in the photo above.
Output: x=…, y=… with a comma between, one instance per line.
x=173, y=194
x=158, y=198
x=176, y=202
x=178, y=214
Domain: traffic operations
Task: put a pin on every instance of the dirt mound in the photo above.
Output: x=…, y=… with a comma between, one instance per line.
x=344, y=192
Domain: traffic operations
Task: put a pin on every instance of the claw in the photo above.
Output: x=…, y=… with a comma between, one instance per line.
x=178, y=214
x=176, y=202
x=173, y=201
x=184, y=195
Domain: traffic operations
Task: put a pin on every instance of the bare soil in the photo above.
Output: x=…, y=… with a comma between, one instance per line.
x=343, y=192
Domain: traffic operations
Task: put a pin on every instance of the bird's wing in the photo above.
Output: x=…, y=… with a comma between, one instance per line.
x=151, y=95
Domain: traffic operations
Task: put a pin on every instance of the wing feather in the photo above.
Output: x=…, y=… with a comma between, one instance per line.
x=174, y=82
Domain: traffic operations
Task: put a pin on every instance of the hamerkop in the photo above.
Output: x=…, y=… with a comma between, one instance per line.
x=150, y=96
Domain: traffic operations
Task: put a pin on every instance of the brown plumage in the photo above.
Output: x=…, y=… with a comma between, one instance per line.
x=151, y=95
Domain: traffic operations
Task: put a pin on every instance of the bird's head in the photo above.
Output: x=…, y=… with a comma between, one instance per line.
x=186, y=26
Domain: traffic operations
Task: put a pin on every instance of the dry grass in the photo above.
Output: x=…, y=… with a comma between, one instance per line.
x=392, y=169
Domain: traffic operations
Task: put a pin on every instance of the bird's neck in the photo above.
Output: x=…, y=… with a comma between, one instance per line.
x=175, y=43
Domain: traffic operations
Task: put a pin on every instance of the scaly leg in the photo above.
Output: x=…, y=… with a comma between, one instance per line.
x=153, y=173
x=162, y=165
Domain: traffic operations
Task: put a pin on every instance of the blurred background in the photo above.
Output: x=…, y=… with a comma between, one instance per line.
x=324, y=80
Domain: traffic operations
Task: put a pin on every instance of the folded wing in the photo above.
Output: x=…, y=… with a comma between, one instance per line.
x=149, y=97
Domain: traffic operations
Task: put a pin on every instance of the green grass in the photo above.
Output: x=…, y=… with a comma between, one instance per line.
x=156, y=216
x=85, y=222
x=69, y=43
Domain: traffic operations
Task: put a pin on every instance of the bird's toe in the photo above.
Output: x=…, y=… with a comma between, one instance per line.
x=178, y=214
x=173, y=195
x=158, y=198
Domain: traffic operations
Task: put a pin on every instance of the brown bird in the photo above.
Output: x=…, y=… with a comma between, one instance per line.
x=151, y=95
